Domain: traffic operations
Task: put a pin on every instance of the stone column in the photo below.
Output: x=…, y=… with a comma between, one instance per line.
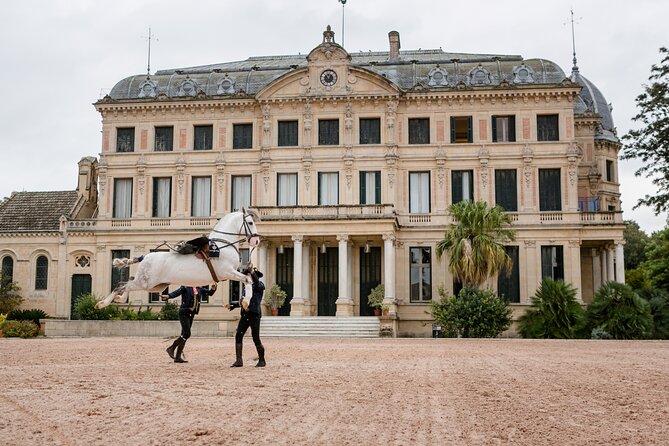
x=532, y=260
x=620, y=262
x=602, y=264
x=610, y=273
x=575, y=273
x=297, y=303
x=306, y=276
x=389, y=272
x=344, y=301
x=596, y=270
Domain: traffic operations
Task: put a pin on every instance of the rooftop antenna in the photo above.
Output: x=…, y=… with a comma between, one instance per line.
x=574, y=68
x=343, y=3
x=148, y=61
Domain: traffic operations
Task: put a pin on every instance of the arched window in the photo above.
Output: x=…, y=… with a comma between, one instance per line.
x=7, y=269
x=41, y=273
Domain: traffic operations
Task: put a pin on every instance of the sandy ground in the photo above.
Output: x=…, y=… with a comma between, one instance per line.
x=127, y=391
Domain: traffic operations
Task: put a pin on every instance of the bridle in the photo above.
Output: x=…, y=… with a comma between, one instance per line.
x=248, y=235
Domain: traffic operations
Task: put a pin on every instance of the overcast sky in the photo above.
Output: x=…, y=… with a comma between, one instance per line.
x=59, y=56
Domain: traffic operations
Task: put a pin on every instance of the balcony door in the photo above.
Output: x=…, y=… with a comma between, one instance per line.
x=328, y=281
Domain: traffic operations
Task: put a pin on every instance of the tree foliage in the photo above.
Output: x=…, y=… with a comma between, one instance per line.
x=10, y=298
x=473, y=313
x=475, y=242
x=650, y=143
x=635, y=244
x=554, y=312
x=620, y=312
x=656, y=265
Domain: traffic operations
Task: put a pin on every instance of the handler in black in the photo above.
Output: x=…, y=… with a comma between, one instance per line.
x=190, y=306
x=250, y=316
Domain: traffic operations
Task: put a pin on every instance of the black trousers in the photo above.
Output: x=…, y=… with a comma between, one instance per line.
x=247, y=320
x=186, y=319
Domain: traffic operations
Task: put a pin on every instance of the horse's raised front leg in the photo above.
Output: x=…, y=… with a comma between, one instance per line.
x=109, y=299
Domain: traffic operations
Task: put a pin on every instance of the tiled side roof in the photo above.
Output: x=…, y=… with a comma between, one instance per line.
x=35, y=211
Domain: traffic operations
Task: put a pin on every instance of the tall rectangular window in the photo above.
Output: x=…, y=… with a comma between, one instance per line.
x=286, y=194
x=547, y=128
x=508, y=281
x=370, y=187
x=462, y=185
x=552, y=262
x=7, y=269
x=41, y=273
x=288, y=133
x=201, y=197
x=163, y=139
x=122, y=198
x=550, y=190
x=506, y=189
x=125, y=139
x=119, y=275
x=203, y=137
x=419, y=192
x=162, y=197
x=241, y=192
x=503, y=128
x=242, y=136
x=419, y=131
x=420, y=285
x=461, y=129
x=370, y=131
x=328, y=188
x=328, y=132
x=609, y=171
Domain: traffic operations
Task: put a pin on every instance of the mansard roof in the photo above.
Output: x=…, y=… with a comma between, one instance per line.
x=35, y=211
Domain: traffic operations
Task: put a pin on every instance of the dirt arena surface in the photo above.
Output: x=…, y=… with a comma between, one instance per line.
x=318, y=391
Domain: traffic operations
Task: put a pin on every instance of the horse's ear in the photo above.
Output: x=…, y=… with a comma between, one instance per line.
x=243, y=210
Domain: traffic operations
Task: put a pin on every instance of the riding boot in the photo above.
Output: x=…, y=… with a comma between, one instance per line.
x=238, y=353
x=261, y=355
x=180, y=349
x=170, y=349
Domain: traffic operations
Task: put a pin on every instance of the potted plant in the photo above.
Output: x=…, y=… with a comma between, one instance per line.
x=375, y=299
x=274, y=298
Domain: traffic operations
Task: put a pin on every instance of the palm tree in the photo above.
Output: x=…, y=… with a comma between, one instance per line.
x=476, y=242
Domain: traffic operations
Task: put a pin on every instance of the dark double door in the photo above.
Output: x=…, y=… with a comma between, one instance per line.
x=284, y=277
x=328, y=281
x=370, y=277
x=81, y=284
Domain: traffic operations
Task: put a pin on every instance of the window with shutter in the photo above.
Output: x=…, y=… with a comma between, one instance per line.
x=547, y=128
x=125, y=139
x=462, y=185
x=163, y=139
x=549, y=190
x=370, y=131
x=242, y=136
x=503, y=129
x=506, y=193
x=508, y=281
x=328, y=132
x=203, y=137
x=461, y=129
x=552, y=262
x=288, y=133
x=419, y=131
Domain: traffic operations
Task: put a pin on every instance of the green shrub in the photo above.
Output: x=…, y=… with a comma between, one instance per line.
x=34, y=315
x=619, y=311
x=169, y=312
x=637, y=278
x=84, y=309
x=473, y=313
x=146, y=315
x=600, y=333
x=554, y=312
x=19, y=329
x=659, y=308
x=9, y=295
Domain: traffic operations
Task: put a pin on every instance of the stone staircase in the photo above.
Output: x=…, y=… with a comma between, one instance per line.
x=345, y=327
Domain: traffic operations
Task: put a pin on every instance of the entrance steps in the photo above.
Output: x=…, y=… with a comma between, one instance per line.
x=330, y=326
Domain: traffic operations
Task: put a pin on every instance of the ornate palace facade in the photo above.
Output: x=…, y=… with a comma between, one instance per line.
x=352, y=161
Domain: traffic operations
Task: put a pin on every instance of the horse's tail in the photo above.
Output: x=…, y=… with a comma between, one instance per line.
x=124, y=263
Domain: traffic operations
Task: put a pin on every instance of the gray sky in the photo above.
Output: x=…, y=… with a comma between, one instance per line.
x=60, y=56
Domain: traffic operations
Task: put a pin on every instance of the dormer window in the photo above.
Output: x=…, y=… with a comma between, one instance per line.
x=479, y=76
x=522, y=74
x=437, y=77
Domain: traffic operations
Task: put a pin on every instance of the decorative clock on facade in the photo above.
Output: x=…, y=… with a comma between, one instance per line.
x=328, y=78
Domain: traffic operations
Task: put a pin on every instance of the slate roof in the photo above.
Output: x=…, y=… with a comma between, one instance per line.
x=35, y=211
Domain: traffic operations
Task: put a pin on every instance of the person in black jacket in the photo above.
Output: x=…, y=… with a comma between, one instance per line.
x=190, y=306
x=250, y=316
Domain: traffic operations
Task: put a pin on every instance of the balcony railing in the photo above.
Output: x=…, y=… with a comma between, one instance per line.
x=361, y=211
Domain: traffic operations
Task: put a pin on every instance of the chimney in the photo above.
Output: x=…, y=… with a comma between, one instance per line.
x=394, y=40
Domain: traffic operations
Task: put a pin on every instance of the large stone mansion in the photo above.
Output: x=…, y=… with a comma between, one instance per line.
x=352, y=160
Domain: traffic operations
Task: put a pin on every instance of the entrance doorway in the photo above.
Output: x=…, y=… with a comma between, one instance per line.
x=328, y=281
x=284, y=277
x=81, y=284
x=370, y=277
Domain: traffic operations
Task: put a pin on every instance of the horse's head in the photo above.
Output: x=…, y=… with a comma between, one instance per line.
x=249, y=217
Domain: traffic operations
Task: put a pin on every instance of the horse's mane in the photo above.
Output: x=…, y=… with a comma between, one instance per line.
x=254, y=214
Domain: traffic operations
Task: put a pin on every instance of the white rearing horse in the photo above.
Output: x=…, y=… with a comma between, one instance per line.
x=160, y=269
